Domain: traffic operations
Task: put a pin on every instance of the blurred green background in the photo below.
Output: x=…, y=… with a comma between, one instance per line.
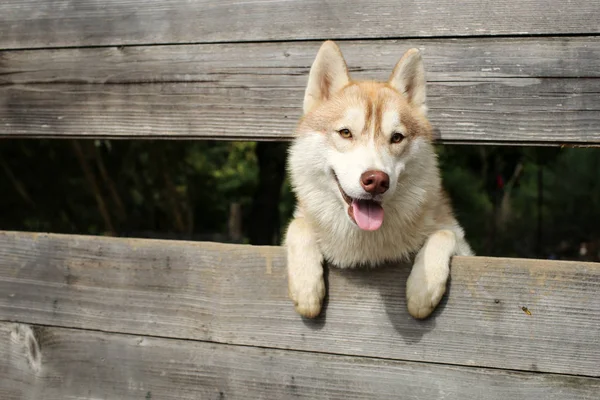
x=541, y=202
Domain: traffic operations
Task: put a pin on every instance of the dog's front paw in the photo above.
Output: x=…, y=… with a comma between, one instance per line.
x=307, y=293
x=424, y=291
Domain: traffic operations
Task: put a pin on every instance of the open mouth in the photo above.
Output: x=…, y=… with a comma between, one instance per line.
x=366, y=213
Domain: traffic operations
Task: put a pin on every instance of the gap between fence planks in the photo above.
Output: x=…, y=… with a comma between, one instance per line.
x=238, y=294
x=65, y=363
x=480, y=90
x=115, y=22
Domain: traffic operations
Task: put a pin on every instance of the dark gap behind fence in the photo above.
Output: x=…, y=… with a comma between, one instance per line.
x=533, y=202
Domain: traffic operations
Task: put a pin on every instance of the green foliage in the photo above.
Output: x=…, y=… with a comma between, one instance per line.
x=181, y=188
x=575, y=188
x=507, y=221
x=184, y=189
x=466, y=187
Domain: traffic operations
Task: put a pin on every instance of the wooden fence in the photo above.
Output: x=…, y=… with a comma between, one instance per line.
x=104, y=318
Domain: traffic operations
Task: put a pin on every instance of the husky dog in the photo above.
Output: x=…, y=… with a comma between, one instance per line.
x=365, y=174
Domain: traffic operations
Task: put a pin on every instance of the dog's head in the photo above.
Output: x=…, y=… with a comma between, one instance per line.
x=356, y=139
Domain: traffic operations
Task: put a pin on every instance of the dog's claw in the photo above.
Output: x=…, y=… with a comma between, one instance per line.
x=308, y=298
x=421, y=308
x=423, y=296
x=310, y=309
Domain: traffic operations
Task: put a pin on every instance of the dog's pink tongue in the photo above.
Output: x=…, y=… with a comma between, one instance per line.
x=367, y=214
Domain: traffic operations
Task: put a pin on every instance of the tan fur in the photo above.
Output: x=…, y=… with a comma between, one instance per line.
x=417, y=214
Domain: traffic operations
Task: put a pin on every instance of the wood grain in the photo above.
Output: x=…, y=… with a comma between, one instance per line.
x=72, y=364
x=514, y=112
x=58, y=23
x=282, y=64
x=502, y=90
x=238, y=294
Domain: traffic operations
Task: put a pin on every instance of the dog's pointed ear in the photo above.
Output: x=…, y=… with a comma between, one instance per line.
x=408, y=78
x=328, y=75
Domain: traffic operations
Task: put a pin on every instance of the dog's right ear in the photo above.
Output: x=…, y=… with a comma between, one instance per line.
x=328, y=75
x=408, y=78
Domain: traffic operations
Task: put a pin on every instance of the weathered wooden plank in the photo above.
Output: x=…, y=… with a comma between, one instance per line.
x=71, y=364
x=238, y=294
x=54, y=23
x=284, y=64
x=480, y=90
x=514, y=111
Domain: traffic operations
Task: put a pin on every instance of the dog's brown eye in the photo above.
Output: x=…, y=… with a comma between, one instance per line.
x=397, y=137
x=345, y=133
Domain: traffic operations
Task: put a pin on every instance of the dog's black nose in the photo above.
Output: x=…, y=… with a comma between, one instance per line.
x=375, y=182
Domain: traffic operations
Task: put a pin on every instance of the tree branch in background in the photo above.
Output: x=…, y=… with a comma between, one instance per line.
x=190, y=214
x=19, y=187
x=234, y=224
x=91, y=179
x=505, y=207
x=540, y=206
x=264, y=219
x=114, y=194
x=490, y=223
x=172, y=196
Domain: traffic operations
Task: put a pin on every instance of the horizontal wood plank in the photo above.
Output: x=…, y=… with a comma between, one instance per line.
x=238, y=294
x=57, y=23
x=283, y=64
x=232, y=64
x=502, y=90
x=58, y=364
x=514, y=112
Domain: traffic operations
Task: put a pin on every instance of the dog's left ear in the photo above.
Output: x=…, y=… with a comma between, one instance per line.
x=408, y=78
x=328, y=75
